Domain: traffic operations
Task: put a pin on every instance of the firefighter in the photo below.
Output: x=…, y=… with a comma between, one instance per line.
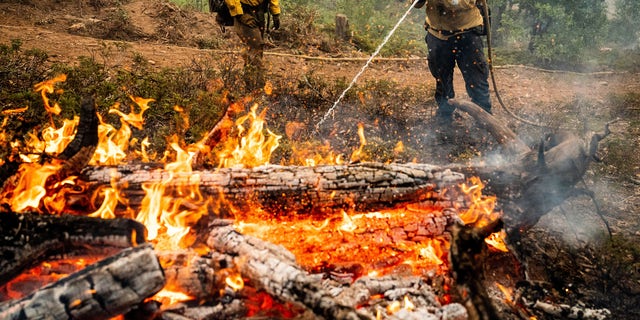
x=249, y=24
x=454, y=29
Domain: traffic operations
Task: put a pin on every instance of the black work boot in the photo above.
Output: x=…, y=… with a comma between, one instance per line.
x=443, y=118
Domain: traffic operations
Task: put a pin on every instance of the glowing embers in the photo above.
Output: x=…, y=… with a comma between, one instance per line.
x=43, y=274
x=359, y=244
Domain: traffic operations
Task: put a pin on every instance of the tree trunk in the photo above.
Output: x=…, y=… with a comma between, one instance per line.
x=293, y=189
x=342, y=27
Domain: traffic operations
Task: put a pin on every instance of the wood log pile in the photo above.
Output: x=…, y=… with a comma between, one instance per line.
x=530, y=185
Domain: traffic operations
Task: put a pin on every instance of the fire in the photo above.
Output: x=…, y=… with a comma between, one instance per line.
x=508, y=293
x=496, y=241
x=168, y=297
x=253, y=147
x=235, y=281
x=113, y=145
x=45, y=87
x=358, y=154
x=481, y=210
x=361, y=243
x=30, y=189
x=373, y=243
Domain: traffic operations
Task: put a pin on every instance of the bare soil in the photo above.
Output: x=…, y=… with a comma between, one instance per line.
x=168, y=36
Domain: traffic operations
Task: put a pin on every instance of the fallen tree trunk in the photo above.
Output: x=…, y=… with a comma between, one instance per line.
x=294, y=189
x=103, y=290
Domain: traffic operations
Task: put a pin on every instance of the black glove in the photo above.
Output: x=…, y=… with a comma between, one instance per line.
x=248, y=20
x=276, y=21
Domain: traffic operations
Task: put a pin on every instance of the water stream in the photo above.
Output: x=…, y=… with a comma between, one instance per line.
x=364, y=67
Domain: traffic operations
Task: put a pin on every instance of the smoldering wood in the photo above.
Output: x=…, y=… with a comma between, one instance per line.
x=30, y=238
x=532, y=181
x=199, y=276
x=294, y=189
x=467, y=254
x=396, y=288
x=571, y=312
x=274, y=269
x=102, y=290
x=499, y=131
x=234, y=309
x=79, y=151
x=215, y=135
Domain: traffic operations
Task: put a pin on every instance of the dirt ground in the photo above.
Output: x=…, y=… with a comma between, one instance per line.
x=168, y=37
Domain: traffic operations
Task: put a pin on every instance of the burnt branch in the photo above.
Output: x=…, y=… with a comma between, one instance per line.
x=274, y=269
x=28, y=239
x=103, y=290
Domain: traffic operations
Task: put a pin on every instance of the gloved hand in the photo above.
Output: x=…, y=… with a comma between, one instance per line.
x=276, y=21
x=419, y=4
x=248, y=20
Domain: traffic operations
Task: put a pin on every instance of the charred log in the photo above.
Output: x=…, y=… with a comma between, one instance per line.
x=103, y=290
x=80, y=150
x=292, y=189
x=201, y=277
x=274, y=269
x=467, y=255
x=500, y=132
x=223, y=310
x=28, y=239
x=397, y=288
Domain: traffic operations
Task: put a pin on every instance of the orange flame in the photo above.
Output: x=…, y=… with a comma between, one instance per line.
x=45, y=87
x=235, y=281
x=358, y=154
x=168, y=297
x=253, y=148
x=496, y=241
x=113, y=145
x=175, y=204
x=481, y=209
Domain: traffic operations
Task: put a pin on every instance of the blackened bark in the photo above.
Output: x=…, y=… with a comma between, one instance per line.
x=28, y=239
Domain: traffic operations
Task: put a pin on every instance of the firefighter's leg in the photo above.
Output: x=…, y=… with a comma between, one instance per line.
x=441, y=63
x=475, y=69
x=252, y=54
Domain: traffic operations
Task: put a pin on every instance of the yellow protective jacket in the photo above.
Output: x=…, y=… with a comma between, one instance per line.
x=447, y=17
x=235, y=6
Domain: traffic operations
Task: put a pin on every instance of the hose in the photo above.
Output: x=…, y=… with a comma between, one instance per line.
x=485, y=13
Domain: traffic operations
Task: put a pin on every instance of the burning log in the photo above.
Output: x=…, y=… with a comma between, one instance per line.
x=103, y=290
x=275, y=270
x=291, y=189
x=200, y=277
x=27, y=239
x=231, y=310
x=79, y=151
x=468, y=254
